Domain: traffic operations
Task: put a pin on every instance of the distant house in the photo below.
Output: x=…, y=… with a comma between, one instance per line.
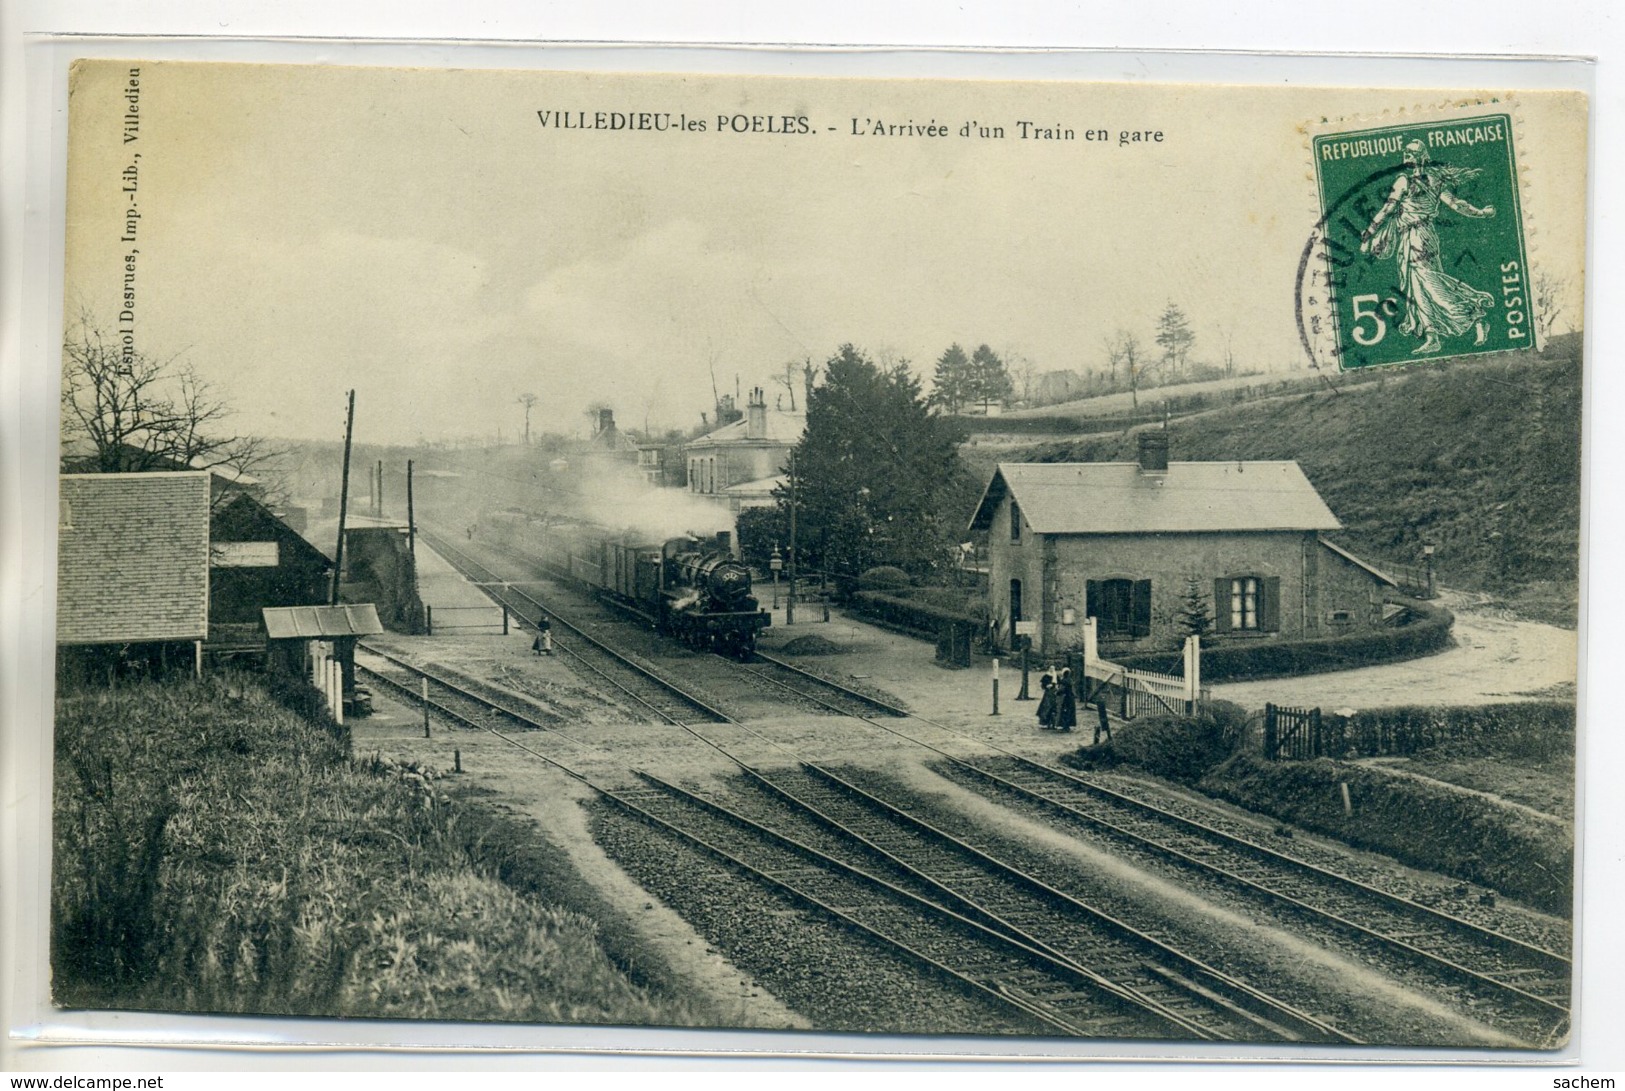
x=1128, y=543
x=735, y=465
x=132, y=570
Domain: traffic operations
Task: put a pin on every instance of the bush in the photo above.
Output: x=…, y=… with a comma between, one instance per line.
x=1427, y=631
x=884, y=578
x=1532, y=729
x=1176, y=747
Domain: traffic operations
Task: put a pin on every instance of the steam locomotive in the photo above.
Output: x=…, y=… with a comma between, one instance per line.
x=688, y=587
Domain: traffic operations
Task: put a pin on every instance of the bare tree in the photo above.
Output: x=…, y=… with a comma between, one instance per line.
x=788, y=381
x=123, y=411
x=809, y=377
x=1123, y=347
x=528, y=401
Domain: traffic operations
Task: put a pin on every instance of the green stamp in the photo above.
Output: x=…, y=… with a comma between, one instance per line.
x=1421, y=242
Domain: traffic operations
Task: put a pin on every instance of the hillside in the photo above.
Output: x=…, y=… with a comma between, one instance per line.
x=1480, y=457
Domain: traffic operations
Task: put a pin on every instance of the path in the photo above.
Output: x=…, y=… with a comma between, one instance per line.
x=1496, y=658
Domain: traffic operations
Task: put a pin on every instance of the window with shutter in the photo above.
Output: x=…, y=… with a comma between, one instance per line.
x=1140, y=620
x=1121, y=608
x=1270, y=610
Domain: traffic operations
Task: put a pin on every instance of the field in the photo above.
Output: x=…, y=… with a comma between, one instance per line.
x=215, y=852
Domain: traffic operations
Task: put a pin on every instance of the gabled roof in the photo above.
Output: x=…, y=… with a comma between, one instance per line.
x=312, y=622
x=781, y=428
x=133, y=558
x=1120, y=498
x=245, y=519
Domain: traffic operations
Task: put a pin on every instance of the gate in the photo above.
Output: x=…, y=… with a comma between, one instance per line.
x=1293, y=734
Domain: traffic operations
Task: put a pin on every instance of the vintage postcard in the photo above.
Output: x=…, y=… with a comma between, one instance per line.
x=928, y=557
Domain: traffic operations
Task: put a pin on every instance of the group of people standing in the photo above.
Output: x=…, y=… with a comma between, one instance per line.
x=1058, y=707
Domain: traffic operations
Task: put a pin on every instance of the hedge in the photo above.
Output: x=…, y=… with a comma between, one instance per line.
x=912, y=613
x=1538, y=726
x=1461, y=835
x=1427, y=632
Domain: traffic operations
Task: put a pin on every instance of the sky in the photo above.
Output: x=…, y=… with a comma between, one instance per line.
x=420, y=235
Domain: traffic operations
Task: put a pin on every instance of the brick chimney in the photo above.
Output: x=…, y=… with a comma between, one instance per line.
x=1154, y=452
x=756, y=415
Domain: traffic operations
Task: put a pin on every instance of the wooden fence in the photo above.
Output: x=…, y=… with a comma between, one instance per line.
x=1293, y=733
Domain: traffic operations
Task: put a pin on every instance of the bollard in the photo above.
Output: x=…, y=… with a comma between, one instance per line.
x=425, y=692
x=457, y=760
x=504, y=621
x=995, y=686
x=428, y=619
x=1025, y=666
x=1348, y=804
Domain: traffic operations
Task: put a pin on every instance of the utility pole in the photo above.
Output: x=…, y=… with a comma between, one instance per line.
x=344, y=497
x=411, y=517
x=790, y=603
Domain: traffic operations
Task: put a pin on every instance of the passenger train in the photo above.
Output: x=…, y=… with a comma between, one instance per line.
x=689, y=587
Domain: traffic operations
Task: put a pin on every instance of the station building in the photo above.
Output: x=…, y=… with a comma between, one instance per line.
x=1132, y=543
x=738, y=465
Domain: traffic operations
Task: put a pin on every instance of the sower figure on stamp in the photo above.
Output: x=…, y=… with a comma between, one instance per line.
x=1436, y=303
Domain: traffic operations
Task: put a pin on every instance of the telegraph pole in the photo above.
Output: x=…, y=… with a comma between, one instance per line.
x=344, y=497
x=411, y=517
x=790, y=603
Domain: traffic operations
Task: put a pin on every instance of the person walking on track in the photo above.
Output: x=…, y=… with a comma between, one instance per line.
x=543, y=645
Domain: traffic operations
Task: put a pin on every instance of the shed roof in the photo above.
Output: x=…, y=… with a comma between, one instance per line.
x=316, y=622
x=133, y=558
x=1191, y=497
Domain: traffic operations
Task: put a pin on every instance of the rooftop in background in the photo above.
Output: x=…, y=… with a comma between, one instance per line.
x=1189, y=497
x=133, y=558
x=321, y=622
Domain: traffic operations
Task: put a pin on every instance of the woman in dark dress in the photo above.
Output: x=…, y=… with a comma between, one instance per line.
x=1048, y=702
x=1066, y=714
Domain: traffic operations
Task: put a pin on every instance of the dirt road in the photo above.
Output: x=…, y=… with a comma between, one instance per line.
x=1496, y=658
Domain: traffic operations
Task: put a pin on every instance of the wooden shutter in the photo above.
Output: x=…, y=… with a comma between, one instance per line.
x=1221, y=605
x=1269, y=613
x=1091, y=598
x=1140, y=614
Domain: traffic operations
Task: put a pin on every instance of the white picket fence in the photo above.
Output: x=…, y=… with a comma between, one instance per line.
x=1148, y=691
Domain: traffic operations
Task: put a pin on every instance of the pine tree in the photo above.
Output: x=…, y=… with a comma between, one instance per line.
x=1195, y=612
x=1175, y=336
x=950, y=386
x=872, y=469
x=989, y=378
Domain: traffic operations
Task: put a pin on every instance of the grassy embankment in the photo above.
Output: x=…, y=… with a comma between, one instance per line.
x=1485, y=835
x=215, y=852
x=1479, y=456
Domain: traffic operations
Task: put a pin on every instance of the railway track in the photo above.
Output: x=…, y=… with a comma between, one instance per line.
x=1139, y=989
x=663, y=698
x=1057, y=992
x=865, y=831
x=1512, y=972
x=1519, y=978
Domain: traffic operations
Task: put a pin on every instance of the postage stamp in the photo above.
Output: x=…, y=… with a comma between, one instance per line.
x=1422, y=251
